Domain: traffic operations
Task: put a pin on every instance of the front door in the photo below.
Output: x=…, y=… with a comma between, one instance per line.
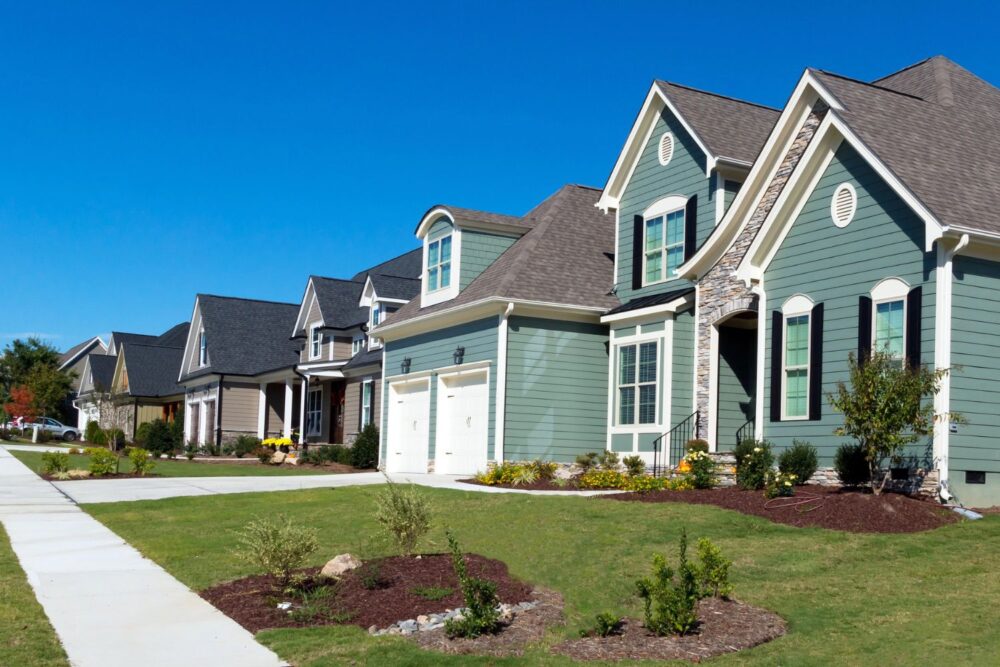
x=463, y=424
x=337, y=413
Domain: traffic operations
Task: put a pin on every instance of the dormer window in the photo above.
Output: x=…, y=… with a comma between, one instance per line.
x=202, y=349
x=315, y=342
x=357, y=344
x=664, y=246
x=375, y=318
x=439, y=264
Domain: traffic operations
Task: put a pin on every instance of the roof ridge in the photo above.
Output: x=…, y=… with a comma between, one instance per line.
x=241, y=298
x=339, y=280
x=393, y=275
x=904, y=69
x=871, y=85
x=165, y=347
x=719, y=95
x=531, y=240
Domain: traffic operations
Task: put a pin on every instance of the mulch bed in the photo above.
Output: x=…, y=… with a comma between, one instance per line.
x=832, y=507
x=121, y=475
x=252, y=601
x=537, y=485
x=725, y=626
x=528, y=627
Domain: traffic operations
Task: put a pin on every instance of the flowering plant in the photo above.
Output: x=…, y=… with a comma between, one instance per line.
x=700, y=469
x=779, y=484
x=277, y=442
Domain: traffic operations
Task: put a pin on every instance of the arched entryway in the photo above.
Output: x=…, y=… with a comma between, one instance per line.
x=733, y=393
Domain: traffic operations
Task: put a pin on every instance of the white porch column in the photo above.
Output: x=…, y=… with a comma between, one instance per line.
x=303, y=396
x=262, y=411
x=289, y=401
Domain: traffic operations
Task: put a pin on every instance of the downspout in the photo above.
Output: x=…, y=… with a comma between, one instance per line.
x=942, y=360
x=500, y=401
x=218, y=416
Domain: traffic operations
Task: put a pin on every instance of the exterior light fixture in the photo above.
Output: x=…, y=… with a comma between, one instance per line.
x=459, y=355
x=405, y=366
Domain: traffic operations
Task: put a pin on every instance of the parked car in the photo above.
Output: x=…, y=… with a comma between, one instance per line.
x=58, y=429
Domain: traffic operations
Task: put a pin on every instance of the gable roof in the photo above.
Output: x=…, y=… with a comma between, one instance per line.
x=393, y=287
x=407, y=265
x=733, y=130
x=152, y=369
x=102, y=371
x=70, y=356
x=118, y=338
x=338, y=302
x=245, y=336
x=175, y=336
x=363, y=360
x=566, y=258
x=936, y=126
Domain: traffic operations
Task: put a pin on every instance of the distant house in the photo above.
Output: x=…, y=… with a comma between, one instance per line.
x=341, y=363
x=238, y=370
x=73, y=360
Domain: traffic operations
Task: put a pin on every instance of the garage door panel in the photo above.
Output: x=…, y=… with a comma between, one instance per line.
x=463, y=424
x=409, y=427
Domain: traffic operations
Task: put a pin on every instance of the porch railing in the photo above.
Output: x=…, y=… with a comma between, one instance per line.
x=745, y=432
x=668, y=449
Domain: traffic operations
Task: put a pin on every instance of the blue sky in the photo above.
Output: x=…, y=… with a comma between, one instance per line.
x=151, y=152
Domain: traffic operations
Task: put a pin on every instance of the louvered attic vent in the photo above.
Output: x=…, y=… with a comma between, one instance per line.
x=844, y=204
x=666, y=148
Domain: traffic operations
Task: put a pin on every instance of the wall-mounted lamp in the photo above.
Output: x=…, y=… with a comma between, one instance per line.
x=459, y=355
x=405, y=366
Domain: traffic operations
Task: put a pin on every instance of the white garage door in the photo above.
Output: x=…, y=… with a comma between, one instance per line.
x=409, y=426
x=462, y=423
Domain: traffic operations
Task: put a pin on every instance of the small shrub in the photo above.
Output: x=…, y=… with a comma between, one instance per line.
x=404, y=514
x=701, y=469
x=278, y=546
x=102, y=461
x=634, y=465
x=142, y=462
x=312, y=457
x=245, y=444
x=852, y=465
x=432, y=593
x=55, y=462
x=44, y=436
x=606, y=624
x=609, y=460
x=371, y=576
x=159, y=438
x=713, y=572
x=480, y=616
x=586, y=462
x=644, y=483
x=546, y=470
x=525, y=475
x=263, y=454
x=191, y=450
x=142, y=434
x=599, y=478
x=364, y=452
x=668, y=600
x=74, y=450
x=779, y=484
x=753, y=466
x=92, y=432
x=696, y=445
x=800, y=460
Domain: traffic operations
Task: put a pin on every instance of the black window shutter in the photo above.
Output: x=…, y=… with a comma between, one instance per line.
x=777, y=331
x=864, y=328
x=816, y=362
x=637, y=251
x=914, y=301
x=691, y=227
x=361, y=405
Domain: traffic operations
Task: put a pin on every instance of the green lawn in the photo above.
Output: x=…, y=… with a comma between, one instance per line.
x=26, y=638
x=849, y=599
x=184, y=468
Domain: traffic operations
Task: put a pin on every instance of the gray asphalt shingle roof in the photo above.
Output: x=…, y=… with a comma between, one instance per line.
x=731, y=128
x=362, y=359
x=651, y=300
x=407, y=265
x=338, y=302
x=175, y=336
x=247, y=337
x=937, y=127
x=393, y=287
x=102, y=370
x=152, y=369
x=567, y=257
x=78, y=350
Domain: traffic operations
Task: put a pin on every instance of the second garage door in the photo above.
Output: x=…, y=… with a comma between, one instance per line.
x=462, y=423
x=409, y=426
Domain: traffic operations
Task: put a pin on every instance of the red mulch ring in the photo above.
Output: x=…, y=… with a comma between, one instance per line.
x=725, y=626
x=850, y=510
x=537, y=485
x=252, y=602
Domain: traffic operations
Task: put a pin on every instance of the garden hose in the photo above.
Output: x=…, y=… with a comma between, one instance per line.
x=803, y=502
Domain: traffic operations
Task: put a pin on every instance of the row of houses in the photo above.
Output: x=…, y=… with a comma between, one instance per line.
x=713, y=287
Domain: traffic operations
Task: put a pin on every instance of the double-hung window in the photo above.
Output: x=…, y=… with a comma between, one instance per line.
x=664, y=246
x=314, y=411
x=202, y=349
x=796, y=367
x=439, y=264
x=890, y=328
x=366, y=402
x=315, y=342
x=637, y=377
x=357, y=344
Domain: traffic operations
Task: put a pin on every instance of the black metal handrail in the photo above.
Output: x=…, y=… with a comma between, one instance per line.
x=673, y=441
x=745, y=432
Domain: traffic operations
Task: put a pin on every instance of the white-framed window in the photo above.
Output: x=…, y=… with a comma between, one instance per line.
x=663, y=239
x=795, y=367
x=357, y=344
x=315, y=341
x=636, y=376
x=314, y=411
x=889, y=317
x=375, y=315
x=439, y=264
x=367, y=394
x=202, y=349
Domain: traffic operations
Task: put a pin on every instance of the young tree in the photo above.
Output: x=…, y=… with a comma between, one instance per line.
x=50, y=387
x=21, y=403
x=887, y=406
x=114, y=410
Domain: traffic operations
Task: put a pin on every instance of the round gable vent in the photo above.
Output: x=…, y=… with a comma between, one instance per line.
x=666, y=148
x=844, y=204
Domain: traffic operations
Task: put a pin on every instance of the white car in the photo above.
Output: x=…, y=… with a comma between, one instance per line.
x=58, y=429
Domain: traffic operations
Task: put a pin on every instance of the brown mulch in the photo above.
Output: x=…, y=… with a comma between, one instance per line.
x=537, y=485
x=725, y=626
x=252, y=602
x=528, y=627
x=121, y=475
x=831, y=507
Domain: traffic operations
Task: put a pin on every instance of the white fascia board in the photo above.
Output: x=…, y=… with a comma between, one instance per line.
x=304, y=306
x=322, y=365
x=430, y=217
x=83, y=351
x=368, y=295
x=670, y=307
x=189, y=343
x=748, y=198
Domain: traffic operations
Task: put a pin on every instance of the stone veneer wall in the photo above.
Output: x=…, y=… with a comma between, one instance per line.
x=719, y=291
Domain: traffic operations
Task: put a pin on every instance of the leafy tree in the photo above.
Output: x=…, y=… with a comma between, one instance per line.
x=50, y=387
x=20, y=357
x=21, y=403
x=887, y=407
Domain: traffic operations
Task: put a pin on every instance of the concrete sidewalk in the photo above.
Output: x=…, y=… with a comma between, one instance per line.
x=110, y=606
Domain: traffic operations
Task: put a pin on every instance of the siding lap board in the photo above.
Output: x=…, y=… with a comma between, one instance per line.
x=479, y=250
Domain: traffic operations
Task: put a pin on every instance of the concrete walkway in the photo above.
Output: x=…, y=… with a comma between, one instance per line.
x=110, y=606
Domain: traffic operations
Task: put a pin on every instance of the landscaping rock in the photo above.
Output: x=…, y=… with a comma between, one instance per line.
x=336, y=568
x=278, y=458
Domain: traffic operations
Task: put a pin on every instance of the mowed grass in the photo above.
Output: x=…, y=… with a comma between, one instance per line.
x=848, y=598
x=184, y=468
x=26, y=638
